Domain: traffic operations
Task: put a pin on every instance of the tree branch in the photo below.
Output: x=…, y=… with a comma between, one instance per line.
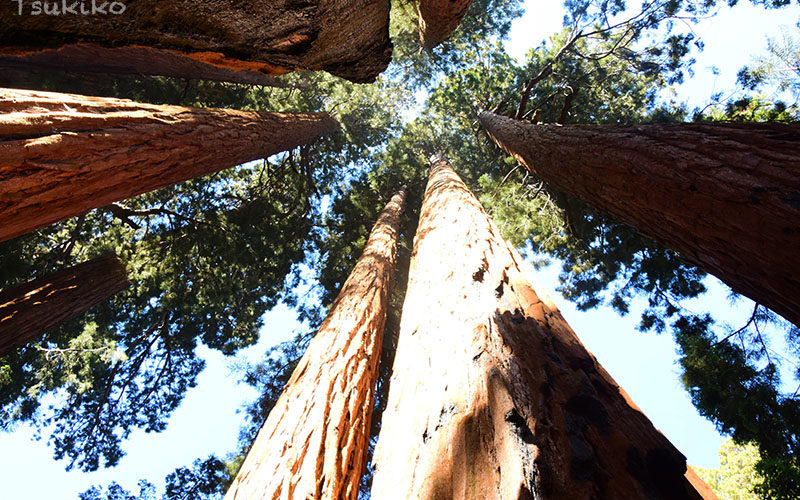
x=740, y=330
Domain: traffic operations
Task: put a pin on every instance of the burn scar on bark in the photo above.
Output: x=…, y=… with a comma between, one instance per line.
x=585, y=405
x=658, y=471
x=446, y=414
x=520, y=427
x=792, y=199
x=499, y=291
x=514, y=440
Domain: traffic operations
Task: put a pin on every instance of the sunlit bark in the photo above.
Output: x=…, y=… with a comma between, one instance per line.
x=438, y=18
x=64, y=154
x=314, y=442
x=492, y=394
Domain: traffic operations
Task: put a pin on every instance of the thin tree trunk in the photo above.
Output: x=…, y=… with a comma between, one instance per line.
x=32, y=309
x=348, y=38
x=726, y=197
x=492, y=394
x=438, y=18
x=314, y=442
x=64, y=154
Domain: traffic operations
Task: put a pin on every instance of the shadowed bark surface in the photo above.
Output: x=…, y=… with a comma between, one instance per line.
x=438, y=18
x=37, y=307
x=348, y=38
x=87, y=58
x=64, y=154
x=314, y=442
x=726, y=197
x=492, y=395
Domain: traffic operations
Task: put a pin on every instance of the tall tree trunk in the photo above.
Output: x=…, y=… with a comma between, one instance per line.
x=438, y=18
x=314, y=442
x=38, y=306
x=726, y=197
x=492, y=394
x=64, y=154
x=348, y=38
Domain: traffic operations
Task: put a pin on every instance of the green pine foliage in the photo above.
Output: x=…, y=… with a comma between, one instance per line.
x=736, y=478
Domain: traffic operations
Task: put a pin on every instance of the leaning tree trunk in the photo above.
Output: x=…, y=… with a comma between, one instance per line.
x=492, y=394
x=438, y=18
x=314, y=442
x=37, y=307
x=726, y=197
x=64, y=154
x=190, y=38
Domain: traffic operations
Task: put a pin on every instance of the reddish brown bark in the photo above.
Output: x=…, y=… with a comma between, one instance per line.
x=64, y=154
x=86, y=58
x=32, y=309
x=349, y=38
x=492, y=394
x=438, y=18
x=726, y=197
x=314, y=442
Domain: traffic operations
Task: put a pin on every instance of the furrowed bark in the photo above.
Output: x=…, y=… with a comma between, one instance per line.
x=314, y=442
x=348, y=38
x=30, y=310
x=726, y=197
x=64, y=154
x=492, y=395
x=86, y=58
x=438, y=18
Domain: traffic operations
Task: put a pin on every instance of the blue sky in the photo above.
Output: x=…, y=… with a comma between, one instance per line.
x=732, y=37
x=644, y=364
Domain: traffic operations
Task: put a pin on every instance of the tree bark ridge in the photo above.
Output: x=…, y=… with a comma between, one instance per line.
x=492, y=395
x=439, y=18
x=64, y=154
x=314, y=441
x=726, y=197
x=88, y=58
x=348, y=38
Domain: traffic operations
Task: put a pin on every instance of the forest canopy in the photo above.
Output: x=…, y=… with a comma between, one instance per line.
x=208, y=258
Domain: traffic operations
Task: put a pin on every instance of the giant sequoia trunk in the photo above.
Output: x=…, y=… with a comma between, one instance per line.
x=492, y=394
x=438, y=18
x=726, y=197
x=190, y=38
x=136, y=61
x=37, y=307
x=314, y=442
x=64, y=154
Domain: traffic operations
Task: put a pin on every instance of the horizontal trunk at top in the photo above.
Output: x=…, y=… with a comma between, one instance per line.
x=726, y=197
x=64, y=154
x=492, y=394
x=87, y=58
x=314, y=442
x=348, y=38
x=30, y=310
